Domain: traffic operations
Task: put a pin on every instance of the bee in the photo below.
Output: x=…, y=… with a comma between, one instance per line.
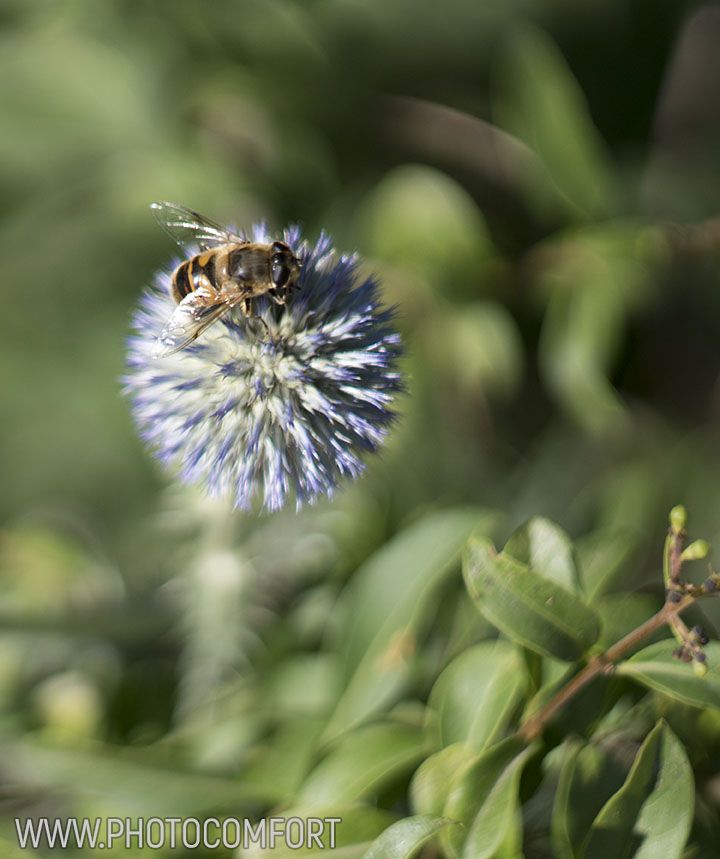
x=229, y=271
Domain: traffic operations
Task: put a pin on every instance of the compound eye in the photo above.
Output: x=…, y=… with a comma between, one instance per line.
x=280, y=272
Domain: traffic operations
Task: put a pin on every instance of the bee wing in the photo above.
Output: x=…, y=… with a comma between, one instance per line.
x=189, y=319
x=189, y=229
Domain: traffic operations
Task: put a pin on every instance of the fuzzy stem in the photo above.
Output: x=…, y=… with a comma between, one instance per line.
x=602, y=663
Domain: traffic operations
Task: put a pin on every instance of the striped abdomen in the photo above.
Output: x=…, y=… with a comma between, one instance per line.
x=193, y=273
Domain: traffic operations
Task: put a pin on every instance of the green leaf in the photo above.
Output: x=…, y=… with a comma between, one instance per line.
x=429, y=785
x=124, y=781
x=655, y=667
x=277, y=769
x=420, y=219
x=603, y=557
x=359, y=827
x=361, y=762
x=497, y=823
x=666, y=816
x=473, y=796
x=387, y=602
x=528, y=607
x=651, y=814
x=302, y=685
x=588, y=778
x=539, y=101
x=546, y=549
x=9, y=849
x=477, y=349
x=404, y=838
x=621, y=613
x=596, y=280
x=476, y=694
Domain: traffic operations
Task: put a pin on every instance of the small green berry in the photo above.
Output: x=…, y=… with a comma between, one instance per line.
x=678, y=519
x=700, y=668
x=695, y=551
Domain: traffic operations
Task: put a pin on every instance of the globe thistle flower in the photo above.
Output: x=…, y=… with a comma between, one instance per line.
x=276, y=414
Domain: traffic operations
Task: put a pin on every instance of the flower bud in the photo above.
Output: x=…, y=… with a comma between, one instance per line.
x=678, y=519
x=695, y=551
x=700, y=668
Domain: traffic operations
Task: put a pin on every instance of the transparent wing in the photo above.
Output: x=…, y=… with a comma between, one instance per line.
x=189, y=229
x=190, y=318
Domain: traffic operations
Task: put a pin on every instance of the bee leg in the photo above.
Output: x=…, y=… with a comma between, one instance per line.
x=277, y=299
x=248, y=309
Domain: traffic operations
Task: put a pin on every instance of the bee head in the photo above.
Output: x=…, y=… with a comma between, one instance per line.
x=285, y=266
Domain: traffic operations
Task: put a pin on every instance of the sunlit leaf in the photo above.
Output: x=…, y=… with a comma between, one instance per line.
x=404, y=838
x=477, y=350
x=9, y=849
x=361, y=762
x=279, y=767
x=595, y=279
x=603, y=557
x=476, y=694
x=126, y=781
x=544, y=547
x=528, y=607
x=483, y=798
x=387, y=602
x=422, y=220
x=497, y=827
x=541, y=103
x=655, y=667
x=355, y=832
x=651, y=814
x=429, y=785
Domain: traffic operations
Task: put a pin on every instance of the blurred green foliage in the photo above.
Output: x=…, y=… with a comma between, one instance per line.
x=536, y=183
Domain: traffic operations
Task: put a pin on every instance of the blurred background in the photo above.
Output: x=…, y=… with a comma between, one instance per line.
x=538, y=184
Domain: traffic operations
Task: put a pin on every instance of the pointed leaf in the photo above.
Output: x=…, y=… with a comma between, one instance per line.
x=404, y=838
x=497, y=823
x=544, y=547
x=473, y=787
x=125, y=781
x=429, y=785
x=542, y=103
x=588, y=778
x=667, y=814
x=527, y=607
x=361, y=762
x=476, y=694
x=652, y=812
x=654, y=666
x=603, y=558
x=390, y=596
x=359, y=826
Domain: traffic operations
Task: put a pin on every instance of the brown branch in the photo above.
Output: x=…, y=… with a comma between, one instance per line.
x=603, y=663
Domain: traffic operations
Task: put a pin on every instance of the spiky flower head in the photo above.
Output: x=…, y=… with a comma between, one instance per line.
x=277, y=414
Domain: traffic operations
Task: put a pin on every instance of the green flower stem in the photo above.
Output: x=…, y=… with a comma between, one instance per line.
x=603, y=663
